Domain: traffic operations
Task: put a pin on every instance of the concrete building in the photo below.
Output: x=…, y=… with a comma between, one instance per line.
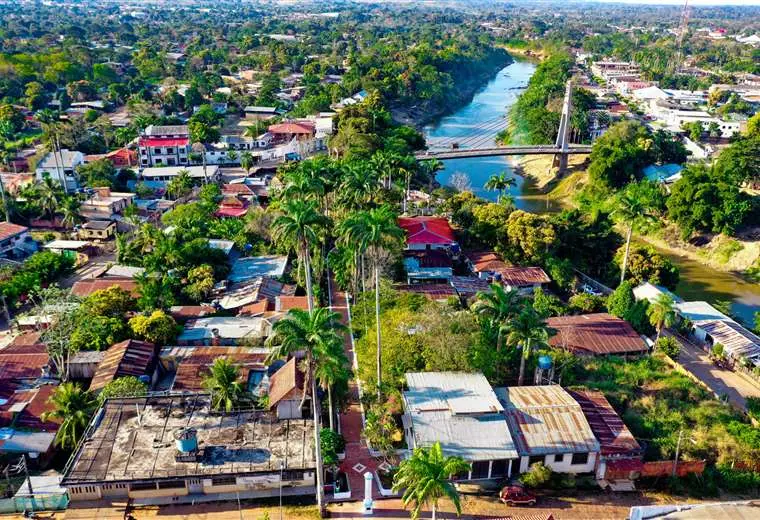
x=199, y=174
x=15, y=241
x=61, y=167
x=286, y=392
x=461, y=411
x=164, y=146
x=548, y=426
x=106, y=204
x=176, y=449
x=427, y=233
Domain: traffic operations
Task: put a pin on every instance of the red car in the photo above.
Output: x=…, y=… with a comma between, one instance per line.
x=517, y=496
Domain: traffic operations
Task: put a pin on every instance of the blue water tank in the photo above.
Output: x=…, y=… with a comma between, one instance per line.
x=186, y=440
x=144, y=379
x=544, y=362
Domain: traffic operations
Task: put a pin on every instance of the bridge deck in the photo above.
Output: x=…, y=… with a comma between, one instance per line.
x=500, y=150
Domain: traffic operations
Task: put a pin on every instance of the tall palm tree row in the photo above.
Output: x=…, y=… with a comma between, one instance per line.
x=426, y=477
x=373, y=231
x=316, y=333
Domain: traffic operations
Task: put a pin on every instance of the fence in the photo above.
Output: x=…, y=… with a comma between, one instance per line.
x=34, y=503
x=664, y=468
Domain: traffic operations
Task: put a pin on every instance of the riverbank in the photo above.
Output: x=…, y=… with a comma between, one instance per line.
x=427, y=112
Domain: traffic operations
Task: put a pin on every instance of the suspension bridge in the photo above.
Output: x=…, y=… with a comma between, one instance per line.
x=479, y=141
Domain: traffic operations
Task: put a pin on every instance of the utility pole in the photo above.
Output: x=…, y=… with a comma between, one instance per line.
x=26, y=470
x=5, y=201
x=678, y=449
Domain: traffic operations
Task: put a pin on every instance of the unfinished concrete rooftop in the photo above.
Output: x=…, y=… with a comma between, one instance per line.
x=133, y=439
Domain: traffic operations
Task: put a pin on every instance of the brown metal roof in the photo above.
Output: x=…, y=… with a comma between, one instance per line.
x=522, y=276
x=595, y=334
x=545, y=420
x=485, y=261
x=128, y=358
x=433, y=291
x=84, y=288
x=8, y=230
x=35, y=403
x=16, y=366
x=613, y=435
x=26, y=343
x=468, y=286
x=286, y=383
x=193, y=369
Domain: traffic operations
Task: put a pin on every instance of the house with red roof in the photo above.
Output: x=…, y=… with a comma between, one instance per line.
x=598, y=334
x=232, y=207
x=428, y=233
x=15, y=241
x=24, y=429
x=288, y=130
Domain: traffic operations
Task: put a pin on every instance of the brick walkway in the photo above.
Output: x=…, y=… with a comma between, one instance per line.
x=357, y=453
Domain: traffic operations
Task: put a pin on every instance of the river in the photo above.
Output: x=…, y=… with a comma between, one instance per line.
x=698, y=282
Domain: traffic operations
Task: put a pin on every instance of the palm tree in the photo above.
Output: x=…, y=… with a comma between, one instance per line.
x=331, y=370
x=73, y=406
x=223, y=381
x=662, y=313
x=246, y=161
x=300, y=226
x=425, y=477
x=500, y=183
x=48, y=197
x=358, y=185
x=631, y=207
x=70, y=212
x=527, y=330
x=316, y=333
x=180, y=185
x=499, y=306
x=373, y=231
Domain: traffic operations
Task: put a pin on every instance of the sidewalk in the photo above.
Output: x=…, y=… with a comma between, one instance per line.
x=358, y=458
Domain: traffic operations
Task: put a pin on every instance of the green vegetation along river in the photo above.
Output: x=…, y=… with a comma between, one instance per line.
x=467, y=124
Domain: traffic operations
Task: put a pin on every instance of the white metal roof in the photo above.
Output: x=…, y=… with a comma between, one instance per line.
x=650, y=292
x=700, y=311
x=66, y=244
x=252, y=267
x=460, y=411
x=212, y=170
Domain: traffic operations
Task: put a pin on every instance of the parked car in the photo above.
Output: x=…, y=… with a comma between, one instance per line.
x=517, y=496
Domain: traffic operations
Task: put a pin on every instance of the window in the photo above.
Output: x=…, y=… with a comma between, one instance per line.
x=157, y=151
x=559, y=457
x=223, y=481
x=142, y=486
x=499, y=468
x=170, y=150
x=580, y=458
x=172, y=484
x=480, y=469
x=536, y=458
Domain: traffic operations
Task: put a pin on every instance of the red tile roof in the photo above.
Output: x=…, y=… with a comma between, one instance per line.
x=84, y=288
x=523, y=276
x=128, y=358
x=285, y=303
x=258, y=307
x=431, y=258
x=613, y=435
x=292, y=128
x=595, y=334
x=427, y=230
x=485, y=261
x=433, y=291
x=286, y=383
x=237, y=188
x=8, y=230
x=26, y=363
x=194, y=368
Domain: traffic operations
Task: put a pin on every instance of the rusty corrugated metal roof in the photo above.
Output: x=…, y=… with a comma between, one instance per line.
x=545, y=420
x=193, y=368
x=598, y=334
x=128, y=358
x=609, y=429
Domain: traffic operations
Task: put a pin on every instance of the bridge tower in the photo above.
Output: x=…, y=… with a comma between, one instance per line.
x=563, y=136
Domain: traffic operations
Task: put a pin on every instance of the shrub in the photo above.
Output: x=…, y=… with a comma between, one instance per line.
x=584, y=303
x=738, y=480
x=128, y=386
x=753, y=407
x=538, y=475
x=332, y=443
x=669, y=346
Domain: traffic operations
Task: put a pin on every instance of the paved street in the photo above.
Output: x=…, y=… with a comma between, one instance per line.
x=721, y=381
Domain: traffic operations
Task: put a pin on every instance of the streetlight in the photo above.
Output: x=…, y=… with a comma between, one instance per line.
x=281, y=468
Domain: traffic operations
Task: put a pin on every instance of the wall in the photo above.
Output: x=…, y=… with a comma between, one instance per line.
x=563, y=466
x=289, y=409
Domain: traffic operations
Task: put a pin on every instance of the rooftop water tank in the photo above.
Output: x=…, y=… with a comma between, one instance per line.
x=186, y=440
x=544, y=362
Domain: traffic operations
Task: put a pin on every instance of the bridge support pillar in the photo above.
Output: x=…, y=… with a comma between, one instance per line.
x=560, y=161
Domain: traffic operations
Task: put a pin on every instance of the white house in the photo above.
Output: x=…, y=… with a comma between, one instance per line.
x=15, y=241
x=197, y=173
x=61, y=167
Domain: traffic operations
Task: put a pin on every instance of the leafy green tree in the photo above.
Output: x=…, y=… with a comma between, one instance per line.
x=373, y=231
x=669, y=346
x=426, y=477
x=223, y=382
x=619, y=155
x=621, y=300
x=739, y=163
x=695, y=130
x=97, y=332
x=158, y=327
x=73, y=407
x=537, y=475
x=331, y=371
x=113, y=301
x=180, y=185
x=546, y=304
x=662, y=313
x=128, y=386
x=702, y=200
x=246, y=161
x=200, y=282
x=531, y=236
x=528, y=330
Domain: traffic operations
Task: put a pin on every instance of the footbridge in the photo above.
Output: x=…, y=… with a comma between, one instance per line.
x=480, y=142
